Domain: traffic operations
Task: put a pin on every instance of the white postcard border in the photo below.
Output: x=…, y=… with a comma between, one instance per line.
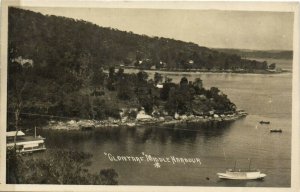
x=245, y=6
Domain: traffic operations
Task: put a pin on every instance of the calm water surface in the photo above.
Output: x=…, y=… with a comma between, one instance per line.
x=264, y=97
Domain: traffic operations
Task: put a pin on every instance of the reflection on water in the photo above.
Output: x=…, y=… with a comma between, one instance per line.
x=176, y=133
x=239, y=183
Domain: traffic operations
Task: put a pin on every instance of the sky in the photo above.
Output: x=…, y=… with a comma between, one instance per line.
x=209, y=28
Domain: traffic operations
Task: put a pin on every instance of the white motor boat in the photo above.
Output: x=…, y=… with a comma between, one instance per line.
x=241, y=175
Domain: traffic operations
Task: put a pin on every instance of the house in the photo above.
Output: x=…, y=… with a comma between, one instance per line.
x=212, y=112
x=24, y=143
x=153, y=67
x=142, y=116
x=160, y=86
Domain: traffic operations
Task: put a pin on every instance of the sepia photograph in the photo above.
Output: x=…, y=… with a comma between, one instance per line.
x=139, y=96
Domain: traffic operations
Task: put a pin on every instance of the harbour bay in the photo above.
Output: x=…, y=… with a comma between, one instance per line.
x=264, y=97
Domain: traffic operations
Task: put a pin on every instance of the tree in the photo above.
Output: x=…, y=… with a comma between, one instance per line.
x=198, y=85
x=124, y=88
x=20, y=82
x=57, y=167
x=198, y=61
x=120, y=72
x=168, y=79
x=272, y=66
x=165, y=91
x=184, y=82
x=183, y=96
x=111, y=79
x=214, y=91
x=13, y=166
x=146, y=102
x=142, y=76
x=108, y=177
x=98, y=78
x=171, y=104
x=157, y=78
x=111, y=73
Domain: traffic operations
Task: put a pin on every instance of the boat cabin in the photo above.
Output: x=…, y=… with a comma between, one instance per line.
x=24, y=143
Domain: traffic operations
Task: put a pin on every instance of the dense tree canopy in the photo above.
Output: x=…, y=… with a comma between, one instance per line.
x=56, y=167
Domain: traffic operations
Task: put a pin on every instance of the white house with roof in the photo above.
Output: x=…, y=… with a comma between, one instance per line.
x=142, y=116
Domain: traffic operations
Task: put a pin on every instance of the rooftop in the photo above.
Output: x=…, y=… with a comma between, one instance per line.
x=13, y=133
x=24, y=139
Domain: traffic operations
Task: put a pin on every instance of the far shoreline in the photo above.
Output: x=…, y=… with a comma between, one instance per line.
x=89, y=125
x=175, y=71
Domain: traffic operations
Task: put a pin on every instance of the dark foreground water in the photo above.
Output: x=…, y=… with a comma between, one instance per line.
x=264, y=97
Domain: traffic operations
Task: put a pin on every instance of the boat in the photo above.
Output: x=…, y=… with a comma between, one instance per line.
x=24, y=143
x=241, y=175
x=264, y=122
x=249, y=174
x=275, y=130
x=242, y=112
x=87, y=127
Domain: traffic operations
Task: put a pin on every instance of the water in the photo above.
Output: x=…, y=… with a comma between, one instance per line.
x=264, y=97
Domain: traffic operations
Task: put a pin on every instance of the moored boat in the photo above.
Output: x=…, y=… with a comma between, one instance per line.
x=24, y=143
x=276, y=131
x=241, y=175
x=264, y=122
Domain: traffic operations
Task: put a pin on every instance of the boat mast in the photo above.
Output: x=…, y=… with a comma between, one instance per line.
x=224, y=154
x=249, y=164
x=234, y=165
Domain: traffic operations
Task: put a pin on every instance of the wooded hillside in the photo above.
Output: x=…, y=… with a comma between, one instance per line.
x=58, y=43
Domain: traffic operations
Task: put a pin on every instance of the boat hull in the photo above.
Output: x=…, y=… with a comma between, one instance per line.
x=264, y=122
x=276, y=131
x=241, y=175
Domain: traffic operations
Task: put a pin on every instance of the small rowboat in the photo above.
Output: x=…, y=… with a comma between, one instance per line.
x=264, y=122
x=276, y=131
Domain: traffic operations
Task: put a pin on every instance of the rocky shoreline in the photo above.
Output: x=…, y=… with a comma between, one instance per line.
x=241, y=71
x=86, y=125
